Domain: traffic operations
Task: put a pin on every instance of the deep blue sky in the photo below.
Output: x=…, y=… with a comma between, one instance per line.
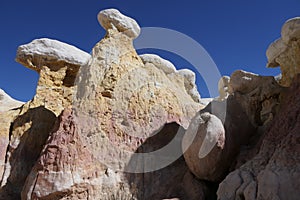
x=235, y=33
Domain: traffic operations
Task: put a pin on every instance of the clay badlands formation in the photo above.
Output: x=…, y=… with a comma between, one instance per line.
x=118, y=125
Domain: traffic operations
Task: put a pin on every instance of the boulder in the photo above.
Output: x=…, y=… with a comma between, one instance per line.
x=212, y=146
x=203, y=142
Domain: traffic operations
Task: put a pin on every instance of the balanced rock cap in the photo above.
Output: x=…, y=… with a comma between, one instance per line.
x=112, y=18
x=45, y=51
x=291, y=30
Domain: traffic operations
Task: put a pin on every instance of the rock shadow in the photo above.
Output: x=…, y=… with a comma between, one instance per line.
x=34, y=126
x=172, y=181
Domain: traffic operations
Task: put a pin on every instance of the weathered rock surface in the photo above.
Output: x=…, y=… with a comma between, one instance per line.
x=113, y=19
x=51, y=53
x=8, y=112
x=111, y=125
x=28, y=127
x=123, y=110
x=189, y=83
x=275, y=171
x=251, y=105
x=8, y=103
x=285, y=51
x=166, y=66
x=259, y=96
x=223, y=85
x=57, y=64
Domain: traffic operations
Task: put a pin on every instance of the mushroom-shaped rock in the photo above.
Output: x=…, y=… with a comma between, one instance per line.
x=49, y=52
x=285, y=51
x=223, y=85
x=291, y=30
x=163, y=64
x=273, y=51
x=7, y=103
x=113, y=19
x=203, y=142
x=57, y=64
x=189, y=83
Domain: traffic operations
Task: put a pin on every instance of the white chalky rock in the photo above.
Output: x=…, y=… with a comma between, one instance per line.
x=42, y=51
x=113, y=19
x=189, y=83
x=8, y=103
x=223, y=87
x=159, y=62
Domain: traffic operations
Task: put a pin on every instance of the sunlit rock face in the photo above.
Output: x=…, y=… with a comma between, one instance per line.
x=25, y=129
x=124, y=106
x=118, y=125
x=57, y=64
x=285, y=51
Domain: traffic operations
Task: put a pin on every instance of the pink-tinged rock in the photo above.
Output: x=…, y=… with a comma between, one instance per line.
x=274, y=172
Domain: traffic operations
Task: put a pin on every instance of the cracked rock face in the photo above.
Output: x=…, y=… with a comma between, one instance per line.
x=285, y=51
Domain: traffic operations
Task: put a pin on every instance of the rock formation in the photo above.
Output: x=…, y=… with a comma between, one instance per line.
x=57, y=64
x=8, y=103
x=273, y=173
x=118, y=125
x=121, y=104
x=284, y=52
x=26, y=129
x=223, y=87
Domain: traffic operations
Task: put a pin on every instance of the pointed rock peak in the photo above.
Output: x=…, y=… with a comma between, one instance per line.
x=46, y=51
x=114, y=19
x=8, y=103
